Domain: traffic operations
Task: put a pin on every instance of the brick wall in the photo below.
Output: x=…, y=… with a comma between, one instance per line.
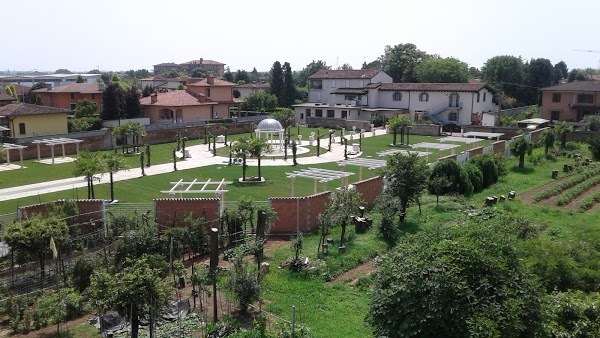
x=475, y=151
x=89, y=211
x=338, y=123
x=535, y=134
x=173, y=211
x=426, y=130
x=195, y=132
x=92, y=141
x=370, y=189
x=297, y=212
x=454, y=157
x=499, y=147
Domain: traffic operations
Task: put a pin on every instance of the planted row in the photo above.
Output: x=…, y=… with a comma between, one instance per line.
x=588, y=202
x=557, y=189
x=577, y=190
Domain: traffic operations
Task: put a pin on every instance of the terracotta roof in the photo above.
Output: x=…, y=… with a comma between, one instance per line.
x=352, y=91
x=580, y=86
x=167, y=64
x=17, y=109
x=204, y=62
x=345, y=74
x=435, y=87
x=6, y=97
x=21, y=90
x=253, y=85
x=177, y=98
x=218, y=82
x=85, y=88
x=162, y=78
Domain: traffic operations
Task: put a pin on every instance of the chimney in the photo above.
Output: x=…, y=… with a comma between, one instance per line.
x=153, y=98
x=201, y=98
x=201, y=60
x=210, y=79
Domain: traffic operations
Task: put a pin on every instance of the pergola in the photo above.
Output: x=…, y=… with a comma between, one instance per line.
x=371, y=164
x=181, y=187
x=320, y=175
x=54, y=142
x=484, y=135
x=403, y=152
x=466, y=140
x=438, y=146
x=9, y=147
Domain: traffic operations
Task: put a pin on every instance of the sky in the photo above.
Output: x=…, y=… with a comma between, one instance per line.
x=81, y=35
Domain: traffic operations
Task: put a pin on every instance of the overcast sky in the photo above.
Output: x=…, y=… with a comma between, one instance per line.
x=81, y=35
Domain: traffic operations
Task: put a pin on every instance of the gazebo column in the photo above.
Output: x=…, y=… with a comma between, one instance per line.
x=21, y=156
x=77, y=148
x=52, y=152
x=7, y=157
x=63, y=150
x=39, y=155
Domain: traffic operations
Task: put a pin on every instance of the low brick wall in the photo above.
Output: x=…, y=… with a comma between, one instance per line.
x=297, y=213
x=535, y=134
x=89, y=211
x=582, y=136
x=171, y=212
x=499, y=147
x=370, y=189
x=92, y=141
x=334, y=123
x=475, y=151
x=454, y=157
x=426, y=130
x=196, y=132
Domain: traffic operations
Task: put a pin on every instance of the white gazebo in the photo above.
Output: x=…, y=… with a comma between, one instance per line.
x=271, y=128
x=8, y=147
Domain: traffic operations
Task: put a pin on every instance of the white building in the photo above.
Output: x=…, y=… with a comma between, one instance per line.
x=54, y=80
x=364, y=94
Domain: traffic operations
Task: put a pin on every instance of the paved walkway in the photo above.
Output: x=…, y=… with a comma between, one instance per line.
x=200, y=157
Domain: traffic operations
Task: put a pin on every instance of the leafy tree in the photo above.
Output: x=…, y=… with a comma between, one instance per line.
x=94, y=71
x=438, y=185
x=32, y=236
x=113, y=102
x=114, y=163
x=62, y=71
x=301, y=77
x=242, y=75
x=388, y=207
x=594, y=147
x=254, y=75
x=448, y=70
x=400, y=124
x=458, y=179
x=284, y=115
x=400, y=61
x=242, y=148
x=547, y=139
x=260, y=101
x=520, y=147
x=342, y=204
x=474, y=73
x=489, y=167
x=577, y=75
x=39, y=85
x=573, y=314
x=505, y=72
x=85, y=108
x=474, y=175
x=288, y=92
x=228, y=75
x=236, y=93
x=88, y=164
x=408, y=178
x=562, y=131
x=133, y=109
x=244, y=283
x=540, y=74
x=256, y=148
x=593, y=120
x=11, y=90
x=198, y=72
x=395, y=127
x=276, y=85
x=458, y=281
x=82, y=270
x=80, y=79
x=148, y=90
x=171, y=74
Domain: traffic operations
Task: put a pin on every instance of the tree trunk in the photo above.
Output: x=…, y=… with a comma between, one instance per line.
x=244, y=167
x=403, y=205
x=112, y=190
x=89, y=187
x=343, y=236
x=407, y=133
x=522, y=161
x=42, y=265
x=402, y=135
x=92, y=187
x=259, y=176
x=135, y=323
x=394, y=140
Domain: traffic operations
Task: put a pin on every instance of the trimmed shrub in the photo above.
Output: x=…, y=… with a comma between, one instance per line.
x=457, y=177
x=594, y=146
x=487, y=164
x=475, y=176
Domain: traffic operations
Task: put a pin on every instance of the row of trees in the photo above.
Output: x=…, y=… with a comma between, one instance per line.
x=120, y=100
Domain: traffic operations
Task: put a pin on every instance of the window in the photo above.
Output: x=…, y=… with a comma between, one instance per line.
x=22, y=128
x=73, y=106
x=308, y=113
x=72, y=96
x=555, y=115
x=344, y=114
x=347, y=83
x=332, y=83
x=484, y=95
x=453, y=102
x=330, y=113
x=93, y=96
x=350, y=97
x=453, y=116
x=397, y=96
x=556, y=97
x=319, y=112
x=301, y=116
x=478, y=96
x=207, y=92
x=585, y=98
x=316, y=84
x=425, y=97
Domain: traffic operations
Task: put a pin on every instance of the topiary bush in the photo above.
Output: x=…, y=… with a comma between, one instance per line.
x=487, y=164
x=475, y=176
x=458, y=179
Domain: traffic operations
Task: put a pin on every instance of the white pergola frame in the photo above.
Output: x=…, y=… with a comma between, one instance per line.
x=9, y=147
x=466, y=140
x=180, y=188
x=56, y=141
x=320, y=175
x=437, y=146
x=488, y=136
x=369, y=163
x=403, y=152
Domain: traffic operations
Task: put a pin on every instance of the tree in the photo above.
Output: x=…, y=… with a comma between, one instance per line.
x=260, y=101
x=33, y=236
x=301, y=77
x=520, y=147
x=242, y=75
x=458, y=179
x=62, y=71
x=474, y=73
x=400, y=61
x=561, y=71
x=148, y=90
x=85, y=108
x=408, y=178
x=228, y=75
x=467, y=280
x=288, y=92
x=547, y=139
x=342, y=204
x=256, y=148
x=438, y=185
x=540, y=74
x=80, y=79
x=243, y=282
x=114, y=163
x=594, y=147
x=113, y=102
x=505, y=72
x=254, y=75
x=577, y=75
x=241, y=147
x=39, y=85
x=198, y=72
x=593, y=120
x=171, y=74
x=88, y=164
x=489, y=167
x=137, y=130
x=284, y=115
x=276, y=86
x=133, y=109
x=400, y=124
x=562, y=131
x=448, y=70
x=394, y=126
x=11, y=91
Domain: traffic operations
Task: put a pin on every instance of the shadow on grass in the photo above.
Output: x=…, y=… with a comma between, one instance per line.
x=526, y=170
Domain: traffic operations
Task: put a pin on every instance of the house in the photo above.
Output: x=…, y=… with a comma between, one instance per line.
x=250, y=88
x=67, y=96
x=212, y=67
x=20, y=89
x=6, y=99
x=28, y=120
x=367, y=94
x=571, y=101
x=49, y=79
x=164, y=84
x=203, y=100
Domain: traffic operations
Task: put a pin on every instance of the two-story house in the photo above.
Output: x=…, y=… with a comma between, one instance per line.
x=250, y=88
x=203, y=100
x=571, y=101
x=366, y=94
x=66, y=97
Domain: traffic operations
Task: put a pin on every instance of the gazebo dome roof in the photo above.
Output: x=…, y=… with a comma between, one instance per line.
x=269, y=125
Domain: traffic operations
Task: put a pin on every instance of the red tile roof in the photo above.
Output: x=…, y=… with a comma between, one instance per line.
x=253, y=85
x=218, y=82
x=6, y=97
x=435, y=87
x=84, y=88
x=345, y=74
x=204, y=62
x=17, y=109
x=580, y=86
x=21, y=90
x=350, y=91
x=177, y=98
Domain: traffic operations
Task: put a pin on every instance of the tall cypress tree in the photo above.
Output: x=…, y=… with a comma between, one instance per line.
x=133, y=109
x=288, y=93
x=277, y=80
x=113, y=102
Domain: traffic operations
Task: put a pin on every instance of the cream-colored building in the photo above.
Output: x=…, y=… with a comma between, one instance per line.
x=29, y=120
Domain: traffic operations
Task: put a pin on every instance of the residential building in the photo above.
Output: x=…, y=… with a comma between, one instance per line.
x=250, y=88
x=50, y=79
x=164, y=84
x=212, y=67
x=366, y=94
x=20, y=89
x=571, y=101
x=203, y=100
x=6, y=99
x=66, y=97
x=28, y=120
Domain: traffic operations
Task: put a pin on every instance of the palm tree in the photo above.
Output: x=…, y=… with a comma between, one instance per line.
x=241, y=147
x=88, y=164
x=547, y=139
x=562, y=131
x=136, y=130
x=405, y=125
x=114, y=163
x=519, y=147
x=122, y=132
x=256, y=148
x=394, y=125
